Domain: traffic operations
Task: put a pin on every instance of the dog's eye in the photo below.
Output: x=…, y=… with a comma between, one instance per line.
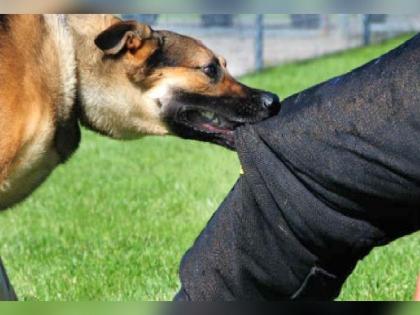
x=211, y=71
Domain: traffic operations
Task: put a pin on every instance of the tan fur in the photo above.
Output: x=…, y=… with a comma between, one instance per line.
x=28, y=91
x=44, y=60
x=38, y=81
x=114, y=106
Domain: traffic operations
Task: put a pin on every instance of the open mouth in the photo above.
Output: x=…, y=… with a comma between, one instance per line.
x=210, y=126
x=215, y=119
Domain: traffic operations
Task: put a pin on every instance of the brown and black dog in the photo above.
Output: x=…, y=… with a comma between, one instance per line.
x=119, y=78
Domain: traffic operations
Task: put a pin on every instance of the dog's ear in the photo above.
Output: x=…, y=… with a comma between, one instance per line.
x=123, y=35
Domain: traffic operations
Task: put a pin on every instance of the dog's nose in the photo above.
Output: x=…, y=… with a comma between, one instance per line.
x=271, y=102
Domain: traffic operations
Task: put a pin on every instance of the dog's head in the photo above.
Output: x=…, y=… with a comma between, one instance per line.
x=185, y=88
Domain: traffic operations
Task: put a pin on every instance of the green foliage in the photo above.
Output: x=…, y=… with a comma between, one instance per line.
x=114, y=222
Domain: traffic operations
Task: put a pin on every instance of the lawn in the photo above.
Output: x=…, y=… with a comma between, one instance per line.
x=114, y=222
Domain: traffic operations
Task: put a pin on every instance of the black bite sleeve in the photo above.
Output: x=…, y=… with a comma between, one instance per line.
x=334, y=175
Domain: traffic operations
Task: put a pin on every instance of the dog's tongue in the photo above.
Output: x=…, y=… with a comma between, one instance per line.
x=216, y=129
x=210, y=122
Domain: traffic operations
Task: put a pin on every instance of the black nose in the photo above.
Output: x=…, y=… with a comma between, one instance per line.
x=270, y=102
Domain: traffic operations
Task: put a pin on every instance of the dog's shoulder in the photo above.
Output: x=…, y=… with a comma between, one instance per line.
x=44, y=44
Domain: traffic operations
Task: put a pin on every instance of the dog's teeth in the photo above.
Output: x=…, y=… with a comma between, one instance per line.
x=208, y=115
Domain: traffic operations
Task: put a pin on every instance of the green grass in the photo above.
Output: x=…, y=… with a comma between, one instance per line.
x=114, y=222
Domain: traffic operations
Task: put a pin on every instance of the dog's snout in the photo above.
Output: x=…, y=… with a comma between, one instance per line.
x=270, y=102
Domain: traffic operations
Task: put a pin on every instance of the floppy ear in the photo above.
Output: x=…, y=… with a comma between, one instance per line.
x=127, y=34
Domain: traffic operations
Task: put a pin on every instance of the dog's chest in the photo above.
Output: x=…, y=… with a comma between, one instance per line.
x=33, y=165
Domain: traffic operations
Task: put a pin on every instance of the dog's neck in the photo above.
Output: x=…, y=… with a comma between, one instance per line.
x=61, y=34
x=67, y=135
x=106, y=100
x=66, y=31
x=84, y=29
x=69, y=33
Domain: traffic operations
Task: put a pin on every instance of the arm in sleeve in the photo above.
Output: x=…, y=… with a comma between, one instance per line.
x=334, y=175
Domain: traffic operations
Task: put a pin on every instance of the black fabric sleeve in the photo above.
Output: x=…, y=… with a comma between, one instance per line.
x=334, y=175
x=7, y=293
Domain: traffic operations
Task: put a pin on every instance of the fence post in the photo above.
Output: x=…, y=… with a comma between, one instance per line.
x=259, y=42
x=325, y=23
x=366, y=29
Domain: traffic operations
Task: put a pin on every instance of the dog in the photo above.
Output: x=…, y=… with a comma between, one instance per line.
x=121, y=79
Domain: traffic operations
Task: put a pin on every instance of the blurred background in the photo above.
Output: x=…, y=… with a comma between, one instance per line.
x=251, y=41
